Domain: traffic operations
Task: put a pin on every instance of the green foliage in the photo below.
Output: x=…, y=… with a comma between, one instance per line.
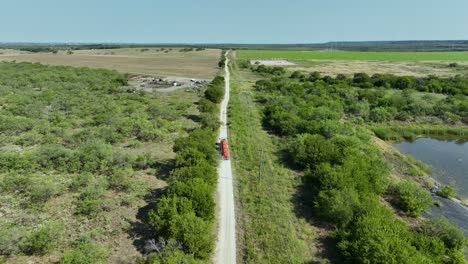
x=194, y=234
x=337, y=206
x=199, y=192
x=85, y=252
x=323, y=118
x=90, y=201
x=200, y=140
x=11, y=237
x=446, y=191
x=201, y=169
x=414, y=200
x=185, y=213
x=441, y=228
x=79, y=130
x=276, y=70
x=215, y=90
x=310, y=150
x=41, y=241
x=377, y=237
x=167, y=209
x=171, y=253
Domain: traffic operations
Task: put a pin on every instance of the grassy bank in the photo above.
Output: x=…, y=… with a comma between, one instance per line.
x=411, y=132
x=271, y=232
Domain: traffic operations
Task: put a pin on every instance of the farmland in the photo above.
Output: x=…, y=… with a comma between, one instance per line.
x=345, y=55
x=150, y=61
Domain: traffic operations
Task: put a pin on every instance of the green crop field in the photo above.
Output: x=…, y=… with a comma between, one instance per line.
x=345, y=55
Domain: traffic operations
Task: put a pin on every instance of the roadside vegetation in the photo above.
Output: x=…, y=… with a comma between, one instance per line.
x=183, y=219
x=79, y=152
x=326, y=123
x=268, y=229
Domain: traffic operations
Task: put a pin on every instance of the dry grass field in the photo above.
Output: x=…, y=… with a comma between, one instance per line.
x=416, y=68
x=151, y=61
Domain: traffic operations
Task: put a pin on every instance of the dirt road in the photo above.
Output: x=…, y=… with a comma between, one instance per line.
x=226, y=244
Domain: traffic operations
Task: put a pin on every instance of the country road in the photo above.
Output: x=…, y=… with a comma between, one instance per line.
x=226, y=243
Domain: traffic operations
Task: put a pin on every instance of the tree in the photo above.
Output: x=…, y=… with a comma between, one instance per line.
x=314, y=76
x=167, y=208
x=199, y=193
x=337, y=206
x=202, y=170
x=362, y=80
x=194, y=233
x=310, y=150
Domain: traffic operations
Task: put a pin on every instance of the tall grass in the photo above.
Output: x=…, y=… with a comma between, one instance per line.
x=264, y=188
x=411, y=132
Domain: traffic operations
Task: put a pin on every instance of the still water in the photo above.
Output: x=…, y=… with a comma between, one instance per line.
x=449, y=162
x=448, y=159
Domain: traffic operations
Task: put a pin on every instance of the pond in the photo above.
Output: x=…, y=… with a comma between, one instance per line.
x=449, y=162
x=448, y=159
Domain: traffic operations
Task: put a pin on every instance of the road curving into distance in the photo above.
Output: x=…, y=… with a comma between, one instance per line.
x=226, y=242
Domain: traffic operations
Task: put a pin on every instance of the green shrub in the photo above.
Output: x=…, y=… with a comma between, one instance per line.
x=385, y=133
x=81, y=180
x=201, y=170
x=215, y=90
x=120, y=178
x=85, y=252
x=199, y=193
x=90, y=201
x=443, y=229
x=167, y=208
x=337, y=206
x=414, y=200
x=43, y=240
x=10, y=239
x=170, y=253
x=44, y=187
x=194, y=233
x=447, y=192
x=311, y=150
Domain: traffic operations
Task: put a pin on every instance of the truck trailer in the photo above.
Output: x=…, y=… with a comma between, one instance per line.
x=224, y=149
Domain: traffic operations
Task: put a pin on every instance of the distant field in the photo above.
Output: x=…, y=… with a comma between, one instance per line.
x=345, y=55
x=153, y=61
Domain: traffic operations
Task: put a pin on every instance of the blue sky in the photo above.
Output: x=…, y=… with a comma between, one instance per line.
x=235, y=21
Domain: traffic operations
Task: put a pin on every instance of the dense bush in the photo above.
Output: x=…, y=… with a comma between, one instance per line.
x=322, y=119
x=43, y=240
x=413, y=199
x=446, y=191
x=66, y=129
x=185, y=214
x=85, y=252
x=215, y=90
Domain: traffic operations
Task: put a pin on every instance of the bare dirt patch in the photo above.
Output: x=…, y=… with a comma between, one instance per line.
x=333, y=67
x=272, y=62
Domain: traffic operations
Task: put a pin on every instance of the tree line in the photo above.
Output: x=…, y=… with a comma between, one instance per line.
x=183, y=219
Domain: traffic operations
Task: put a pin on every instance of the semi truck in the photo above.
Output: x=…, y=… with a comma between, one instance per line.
x=223, y=145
